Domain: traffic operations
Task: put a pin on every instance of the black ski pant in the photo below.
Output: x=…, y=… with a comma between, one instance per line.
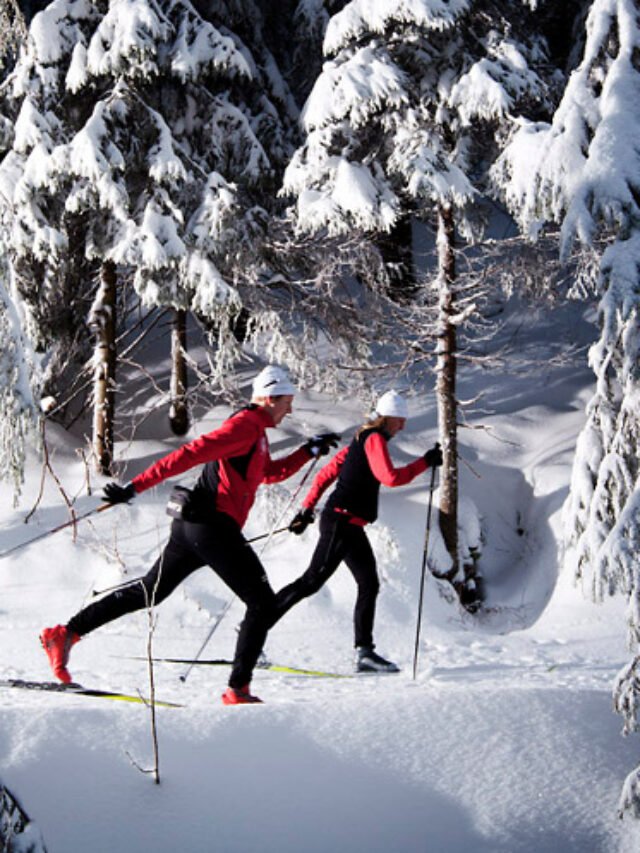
x=218, y=544
x=339, y=541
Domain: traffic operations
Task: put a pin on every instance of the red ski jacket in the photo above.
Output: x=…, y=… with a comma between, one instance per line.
x=239, y=435
x=377, y=453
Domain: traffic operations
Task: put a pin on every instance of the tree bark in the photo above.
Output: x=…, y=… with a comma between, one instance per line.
x=446, y=384
x=178, y=411
x=103, y=322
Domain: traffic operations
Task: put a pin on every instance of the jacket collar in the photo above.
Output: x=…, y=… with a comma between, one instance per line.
x=263, y=416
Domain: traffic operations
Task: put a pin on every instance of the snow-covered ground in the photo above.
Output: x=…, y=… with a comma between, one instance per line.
x=506, y=741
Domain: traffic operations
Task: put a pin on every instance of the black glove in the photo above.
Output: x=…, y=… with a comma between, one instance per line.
x=301, y=521
x=433, y=457
x=322, y=443
x=115, y=494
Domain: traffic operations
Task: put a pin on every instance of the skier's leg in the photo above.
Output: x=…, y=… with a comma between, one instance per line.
x=225, y=549
x=176, y=563
x=361, y=562
x=256, y=592
x=329, y=553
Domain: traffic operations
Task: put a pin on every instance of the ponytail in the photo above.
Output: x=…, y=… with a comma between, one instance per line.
x=379, y=422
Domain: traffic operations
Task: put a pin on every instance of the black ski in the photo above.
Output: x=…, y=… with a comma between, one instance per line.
x=78, y=690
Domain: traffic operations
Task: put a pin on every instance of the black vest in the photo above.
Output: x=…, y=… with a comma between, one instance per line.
x=206, y=489
x=357, y=489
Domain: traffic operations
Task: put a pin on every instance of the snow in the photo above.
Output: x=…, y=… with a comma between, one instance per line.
x=205, y=48
x=351, y=193
x=159, y=238
x=126, y=37
x=354, y=89
x=418, y=157
x=585, y=163
x=53, y=33
x=19, y=375
x=492, y=86
x=506, y=742
x=378, y=15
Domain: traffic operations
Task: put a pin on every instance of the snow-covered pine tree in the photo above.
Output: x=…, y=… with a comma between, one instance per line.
x=295, y=31
x=142, y=135
x=405, y=118
x=18, y=372
x=19, y=415
x=13, y=31
x=18, y=833
x=583, y=171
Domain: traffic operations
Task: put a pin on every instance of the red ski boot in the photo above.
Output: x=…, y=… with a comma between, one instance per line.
x=57, y=644
x=239, y=696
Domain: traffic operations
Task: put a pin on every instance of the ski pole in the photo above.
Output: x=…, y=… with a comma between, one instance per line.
x=422, y=573
x=264, y=535
x=289, y=505
x=269, y=536
x=212, y=631
x=53, y=530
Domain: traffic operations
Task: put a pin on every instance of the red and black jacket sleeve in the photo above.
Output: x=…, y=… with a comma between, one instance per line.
x=383, y=469
x=235, y=437
x=324, y=478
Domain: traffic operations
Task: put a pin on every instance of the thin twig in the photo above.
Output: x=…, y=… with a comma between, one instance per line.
x=47, y=467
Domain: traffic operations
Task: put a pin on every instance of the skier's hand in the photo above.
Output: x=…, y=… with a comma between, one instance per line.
x=116, y=494
x=433, y=457
x=301, y=521
x=322, y=443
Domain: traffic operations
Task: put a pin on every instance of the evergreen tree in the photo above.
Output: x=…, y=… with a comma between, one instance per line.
x=144, y=139
x=583, y=171
x=12, y=33
x=405, y=118
x=19, y=414
x=295, y=30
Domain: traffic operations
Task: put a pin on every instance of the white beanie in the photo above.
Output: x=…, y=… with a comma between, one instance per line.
x=392, y=405
x=272, y=382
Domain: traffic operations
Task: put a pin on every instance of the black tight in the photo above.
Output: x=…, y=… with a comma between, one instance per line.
x=218, y=544
x=339, y=541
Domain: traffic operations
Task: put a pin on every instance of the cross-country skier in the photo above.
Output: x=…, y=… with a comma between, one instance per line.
x=359, y=470
x=236, y=461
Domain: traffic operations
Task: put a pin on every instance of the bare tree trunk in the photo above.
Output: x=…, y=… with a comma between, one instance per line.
x=103, y=321
x=446, y=385
x=178, y=412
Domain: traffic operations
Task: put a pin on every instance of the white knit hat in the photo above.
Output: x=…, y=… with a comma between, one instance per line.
x=392, y=405
x=272, y=382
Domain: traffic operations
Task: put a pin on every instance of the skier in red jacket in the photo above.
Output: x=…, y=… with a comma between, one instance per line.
x=209, y=532
x=358, y=471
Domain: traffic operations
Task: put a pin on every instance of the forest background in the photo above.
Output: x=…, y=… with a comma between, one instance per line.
x=349, y=188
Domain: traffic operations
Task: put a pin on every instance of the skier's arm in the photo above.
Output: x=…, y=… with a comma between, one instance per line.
x=233, y=438
x=327, y=475
x=319, y=445
x=382, y=467
x=286, y=466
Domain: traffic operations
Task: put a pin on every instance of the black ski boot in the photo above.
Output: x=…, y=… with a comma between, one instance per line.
x=368, y=661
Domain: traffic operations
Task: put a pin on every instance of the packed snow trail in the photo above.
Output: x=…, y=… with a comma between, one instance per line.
x=505, y=743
